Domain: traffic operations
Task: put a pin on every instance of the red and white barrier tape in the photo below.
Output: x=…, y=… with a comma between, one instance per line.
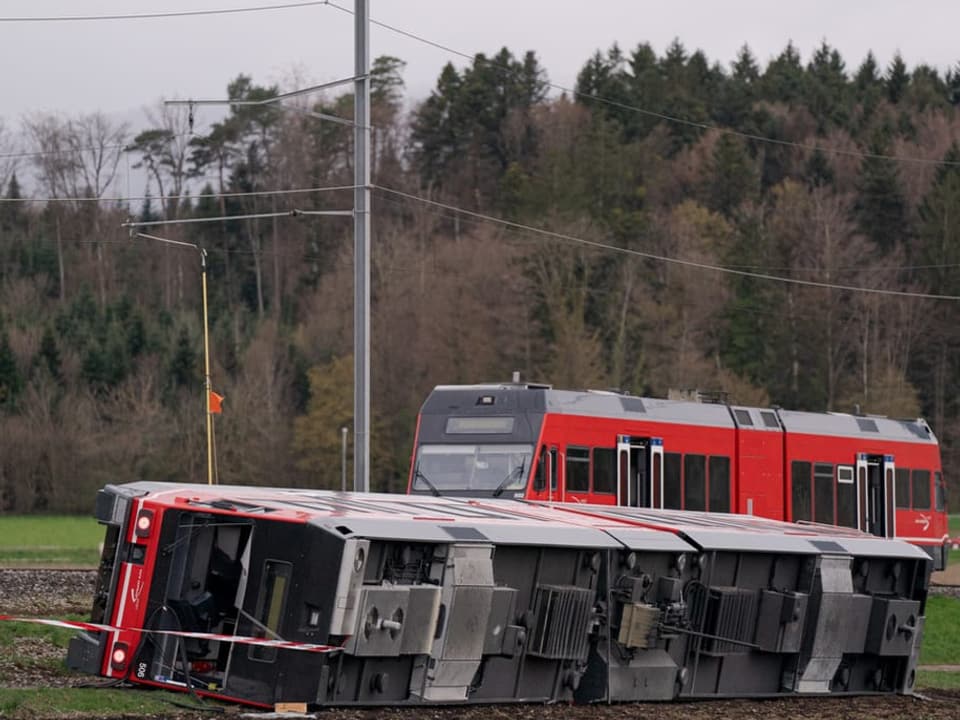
x=245, y=640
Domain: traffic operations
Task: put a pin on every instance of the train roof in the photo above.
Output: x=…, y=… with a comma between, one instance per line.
x=588, y=403
x=865, y=426
x=512, y=522
x=449, y=399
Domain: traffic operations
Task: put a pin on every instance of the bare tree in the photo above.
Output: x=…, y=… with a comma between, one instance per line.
x=97, y=145
x=57, y=170
x=8, y=159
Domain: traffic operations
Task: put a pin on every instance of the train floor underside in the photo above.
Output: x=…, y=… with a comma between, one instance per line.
x=453, y=600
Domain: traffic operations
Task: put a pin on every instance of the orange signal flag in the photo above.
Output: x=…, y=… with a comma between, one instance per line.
x=216, y=403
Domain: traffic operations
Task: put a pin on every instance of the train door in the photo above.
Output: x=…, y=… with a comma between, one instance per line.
x=875, y=488
x=639, y=471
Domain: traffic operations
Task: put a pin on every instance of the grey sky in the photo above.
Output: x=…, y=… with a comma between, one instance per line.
x=121, y=66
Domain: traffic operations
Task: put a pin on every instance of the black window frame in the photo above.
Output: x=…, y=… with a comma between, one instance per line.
x=901, y=479
x=718, y=476
x=801, y=488
x=695, y=482
x=540, y=476
x=824, y=494
x=847, y=497
x=596, y=469
x=920, y=480
x=577, y=461
x=672, y=481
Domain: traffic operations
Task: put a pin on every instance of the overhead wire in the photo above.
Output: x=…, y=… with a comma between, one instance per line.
x=165, y=198
x=662, y=116
x=662, y=258
x=164, y=14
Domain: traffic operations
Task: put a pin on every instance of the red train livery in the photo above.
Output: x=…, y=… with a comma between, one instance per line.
x=876, y=474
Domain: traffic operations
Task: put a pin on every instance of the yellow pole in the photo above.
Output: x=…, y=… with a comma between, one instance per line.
x=206, y=364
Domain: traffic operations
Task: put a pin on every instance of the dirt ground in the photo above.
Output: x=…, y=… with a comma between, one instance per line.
x=56, y=593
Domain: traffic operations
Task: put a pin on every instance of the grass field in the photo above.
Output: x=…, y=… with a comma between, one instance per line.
x=954, y=531
x=49, y=540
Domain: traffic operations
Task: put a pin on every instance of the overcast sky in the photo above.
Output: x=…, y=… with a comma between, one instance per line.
x=121, y=66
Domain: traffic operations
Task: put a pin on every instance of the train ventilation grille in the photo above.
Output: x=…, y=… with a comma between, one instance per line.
x=562, y=622
x=726, y=615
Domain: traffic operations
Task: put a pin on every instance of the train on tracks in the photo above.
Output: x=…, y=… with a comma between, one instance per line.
x=266, y=596
x=875, y=474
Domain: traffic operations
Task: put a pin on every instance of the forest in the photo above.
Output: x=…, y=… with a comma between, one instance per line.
x=670, y=223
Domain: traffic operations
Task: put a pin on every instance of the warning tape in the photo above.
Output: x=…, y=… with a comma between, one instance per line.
x=244, y=640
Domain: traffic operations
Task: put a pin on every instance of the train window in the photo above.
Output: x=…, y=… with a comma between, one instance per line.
x=846, y=497
x=540, y=477
x=921, y=489
x=719, y=484
x=941, y=492
x=554, y=468
x=270, y=607
x=604, y=470
x=743, y=417
x=694, y=482
x=578, y=469
x=801, y=494
x=903, y=488
x=823, y=493
x=770, y=419
x=672, y=497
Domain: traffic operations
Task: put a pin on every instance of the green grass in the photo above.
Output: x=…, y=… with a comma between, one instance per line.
x=941, y=637
x=57, y=636
x=938, y=680
x=92, y=702
x=49, y=540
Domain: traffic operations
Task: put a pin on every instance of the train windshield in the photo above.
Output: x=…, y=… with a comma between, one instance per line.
x=493, y=468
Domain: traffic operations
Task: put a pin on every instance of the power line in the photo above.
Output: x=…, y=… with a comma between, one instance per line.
x=662, y=258
x=662, y=116
x=153, y=15
x=125, y=147
x=165, y=198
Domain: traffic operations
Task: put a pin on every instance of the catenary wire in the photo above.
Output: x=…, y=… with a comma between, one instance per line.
x=661, y=258
x=165, y=198
x=662, y=116
x=166, y=14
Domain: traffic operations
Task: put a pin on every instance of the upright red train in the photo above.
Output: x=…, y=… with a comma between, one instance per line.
x=876, y=474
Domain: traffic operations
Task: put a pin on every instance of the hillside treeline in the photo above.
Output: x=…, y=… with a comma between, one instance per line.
x=835, y=175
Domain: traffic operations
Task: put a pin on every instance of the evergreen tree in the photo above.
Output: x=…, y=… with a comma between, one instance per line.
x=733, y=176
x=11, y=379
x=869, y=87
x=182, y=370
x=927, y=88
x=896, y=79
x=49, y=356
x=745, y=68
x=783, y=79
x=939, y=227
x=881, y=207
x=826, y=88
x=953, y=85
x=10, y=212
x=818, y=170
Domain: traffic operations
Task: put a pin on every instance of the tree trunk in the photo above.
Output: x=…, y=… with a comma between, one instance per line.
x=275, y=244
x=60, y=268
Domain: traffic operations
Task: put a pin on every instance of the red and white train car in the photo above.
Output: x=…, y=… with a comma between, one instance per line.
x=876, y=474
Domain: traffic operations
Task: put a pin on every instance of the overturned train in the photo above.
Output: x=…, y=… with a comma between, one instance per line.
x=266, y=596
